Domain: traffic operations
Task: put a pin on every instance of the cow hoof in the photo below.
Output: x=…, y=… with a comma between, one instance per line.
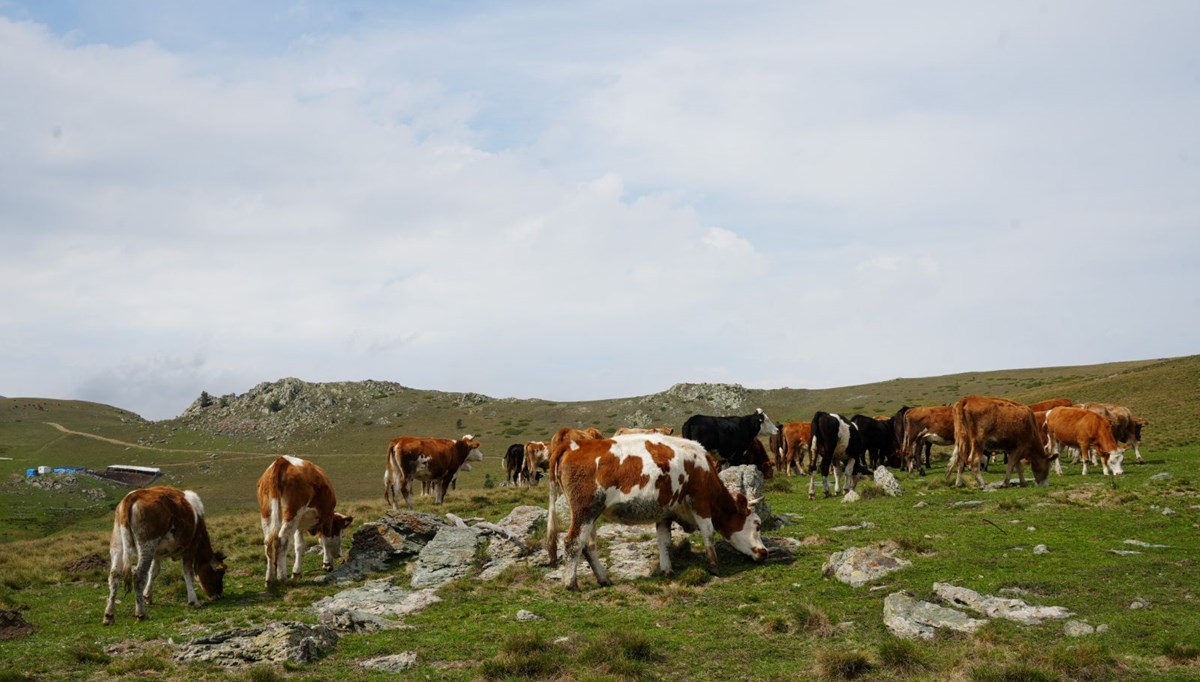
x=108, y=619
x=573, y=587
x=140, y=616
x=295, y=576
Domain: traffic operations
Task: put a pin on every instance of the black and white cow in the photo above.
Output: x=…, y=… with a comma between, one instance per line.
x=729, y=437
x=879, y=439
x=835, y=442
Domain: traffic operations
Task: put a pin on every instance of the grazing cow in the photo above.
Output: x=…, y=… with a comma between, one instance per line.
x=1126, y=428
x=983, y=424
x=729, y=437
x=795, y=446
x=924, y=426
x=436, y=460
x=1086, y=430
x=295, y=495
x=161, y=522
x=835, y=442
x=630, y=430
x=641, y=479
x=879, y=439
x=536, y=461
x=514, y=464
x=1047, y=405
x=757, y=456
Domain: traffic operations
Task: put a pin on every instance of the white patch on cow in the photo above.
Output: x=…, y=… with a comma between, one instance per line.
x=421, y=470
x=768, y=427
x=294, y=461
x=193, y=500
x=467, y=436
x=1115, y=459
x=843, y=438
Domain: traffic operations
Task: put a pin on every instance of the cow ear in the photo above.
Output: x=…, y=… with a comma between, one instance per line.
x=348, y=520
x=220, y=557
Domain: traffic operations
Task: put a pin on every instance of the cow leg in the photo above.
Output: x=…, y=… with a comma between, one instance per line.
x=298, y=548
x=663, y=531
x=116, y=570
x=574, y=543
x=189, y=581
x=593, y=559
x=1084, y=454
x=975, y=461
x=404, y=492
x=1137, y=452
x=154, y=568
x=710, y=551
x=812, y=493
x=141, y=574
x=440, y=489
x=850, y=480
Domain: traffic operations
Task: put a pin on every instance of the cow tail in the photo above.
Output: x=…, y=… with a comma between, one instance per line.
x=551, y=511
x=121, y=547
x=388, y=497
x=961, y=438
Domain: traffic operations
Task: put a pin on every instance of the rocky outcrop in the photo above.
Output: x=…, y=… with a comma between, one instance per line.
x=284, y=641
x=910, y=618
x=375, y=606
x=377, y=545
x=997, y=607
x=724, y=399
x=448, y=556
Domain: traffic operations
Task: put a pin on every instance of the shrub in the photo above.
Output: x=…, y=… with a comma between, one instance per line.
x=842, y=665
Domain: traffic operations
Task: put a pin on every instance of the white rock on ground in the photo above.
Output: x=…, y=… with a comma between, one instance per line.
x=998, y=607
x=910, y=618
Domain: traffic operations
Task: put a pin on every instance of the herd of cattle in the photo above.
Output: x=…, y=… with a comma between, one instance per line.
x=635, y=476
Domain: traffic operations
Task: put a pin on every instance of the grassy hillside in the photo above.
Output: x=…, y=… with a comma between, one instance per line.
x=222, y=457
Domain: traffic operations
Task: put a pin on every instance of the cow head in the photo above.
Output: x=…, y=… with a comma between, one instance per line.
x=1115, y=458
x=331, y=542
x=766, y=426
x=748, y=540
x=473, y=454
x=211, y=575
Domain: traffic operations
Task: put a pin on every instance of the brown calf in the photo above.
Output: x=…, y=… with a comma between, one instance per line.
x=294, y=496
x=435, y=460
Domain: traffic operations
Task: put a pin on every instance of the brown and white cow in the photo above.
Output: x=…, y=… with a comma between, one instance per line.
x=924, y=427
x=1088, y=431
x=294, y=496
x=795, y=446
x=641, y=479
x=435, y=460
x=155, y=523
x=629, y=430
x=983, y=424
x=1126, y=428
x=559, y=443
x=756, y=456
x=537, y=459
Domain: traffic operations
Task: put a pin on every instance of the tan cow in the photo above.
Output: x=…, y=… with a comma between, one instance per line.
x=924, y=427
x=1126, y=428
x=641, y=479
x=154, y=523
x=1088, y=431
x=435, y=460
x=795, y=446
x=294, y=496
x=983, y=424
x=537, y=458
x=1047, y=405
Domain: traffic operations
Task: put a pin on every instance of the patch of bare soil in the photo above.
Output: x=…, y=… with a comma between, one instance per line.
x=87, y=563
x=14, y=625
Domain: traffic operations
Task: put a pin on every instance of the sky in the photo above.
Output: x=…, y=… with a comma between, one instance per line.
x=589, y=200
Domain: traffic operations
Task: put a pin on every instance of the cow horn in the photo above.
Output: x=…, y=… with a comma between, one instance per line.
x=755, y=501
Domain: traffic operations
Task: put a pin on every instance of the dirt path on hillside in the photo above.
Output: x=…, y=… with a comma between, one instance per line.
x=244, y=454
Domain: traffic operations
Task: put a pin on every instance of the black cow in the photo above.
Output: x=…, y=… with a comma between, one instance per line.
x=514, y=464
x=835, y=442
x=879, y=439
x=729, y=437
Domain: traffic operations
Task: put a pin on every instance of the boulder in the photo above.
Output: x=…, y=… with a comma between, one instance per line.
x=448, y=556
x=748, y=480
x=377, y=545
x=372, y=606
x=859, y=565
x=998, y=607
x=911, y=618
x=887, y=482
x=394, y=663
x=279, y=642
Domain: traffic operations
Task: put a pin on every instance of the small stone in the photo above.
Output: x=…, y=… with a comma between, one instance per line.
x=851, y=496
x=391, y=664
x=1031, y=528
x=524, y=615
x=1041, y=549
x=1138, y=603
x=967, y=503
x=1167, y=511
x=920, y=505
x=1123, y=552
x=1161, y=476
x=1101, y=628
x=1077, y=628
x=1139, y=543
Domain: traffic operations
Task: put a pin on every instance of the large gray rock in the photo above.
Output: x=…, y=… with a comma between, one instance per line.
x=373, y=606
x=274, y=643
x=524, y=521
x=887, y=482
x=998, y=607
x=748, y=480
x=378, y=545
x=911, y=618
x=396, y=663
x=448, y=556
x=859, y=565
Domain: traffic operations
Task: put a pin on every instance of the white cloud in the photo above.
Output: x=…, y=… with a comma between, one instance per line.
x=554, y=202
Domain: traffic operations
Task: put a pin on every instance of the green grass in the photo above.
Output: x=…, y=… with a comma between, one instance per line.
x=779, y=620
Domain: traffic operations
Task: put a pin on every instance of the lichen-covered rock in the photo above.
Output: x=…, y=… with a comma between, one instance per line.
x=911, y=618
x=887, y=482
x=394, y=663
x=748, y=480
x=377, y=545
x=373, y=606
x=857, y=566
x=998, y=607
x=274, y=643
x=448, y=556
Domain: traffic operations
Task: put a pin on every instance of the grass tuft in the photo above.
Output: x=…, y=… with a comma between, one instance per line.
x=527, y=655
x=812, y=620
x=836, y=664
x=622, y=654
x=1181, y=653
x=694, y=576
x=1014, y=673
x=264, y=673
x=89, y=653
x=138, y=663
x=901, y=655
